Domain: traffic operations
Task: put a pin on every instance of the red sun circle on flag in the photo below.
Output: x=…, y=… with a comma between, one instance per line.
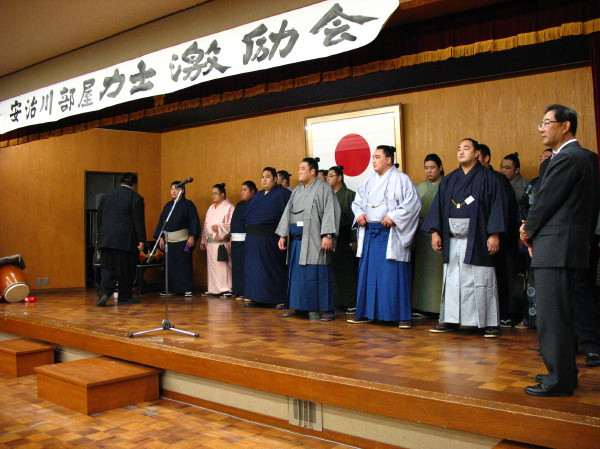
x=353, y=153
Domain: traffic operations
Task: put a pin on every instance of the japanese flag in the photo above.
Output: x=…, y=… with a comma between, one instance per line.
x=351, y=142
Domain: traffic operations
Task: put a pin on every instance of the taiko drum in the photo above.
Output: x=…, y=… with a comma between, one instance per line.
x=13, y=284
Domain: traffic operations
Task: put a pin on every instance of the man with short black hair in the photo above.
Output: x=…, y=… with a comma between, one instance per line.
x=507, y=262
x=465, y=220
x=511, y=168
x=308, y=226
x=121, y=235
x=557, y=233
x=386, y=210
x=283, y=179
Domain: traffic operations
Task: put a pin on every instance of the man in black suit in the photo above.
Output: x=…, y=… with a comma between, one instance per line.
x=121, y=235
x=585, y=300
x=557, y=235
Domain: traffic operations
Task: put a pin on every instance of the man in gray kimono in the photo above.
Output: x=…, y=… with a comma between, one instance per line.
x=307, y=229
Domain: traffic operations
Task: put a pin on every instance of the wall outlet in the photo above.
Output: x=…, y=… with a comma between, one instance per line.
x=38, y=282
x=46, y=282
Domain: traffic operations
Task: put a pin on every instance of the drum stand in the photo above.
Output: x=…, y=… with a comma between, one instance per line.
x=166, y=324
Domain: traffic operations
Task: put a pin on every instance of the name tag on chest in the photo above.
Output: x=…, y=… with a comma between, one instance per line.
x=467, y=202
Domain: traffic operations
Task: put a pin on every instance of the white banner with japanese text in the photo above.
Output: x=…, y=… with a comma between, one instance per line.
x=317, y=31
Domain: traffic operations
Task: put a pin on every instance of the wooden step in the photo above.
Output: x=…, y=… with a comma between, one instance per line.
x=97, y=384
x=20, y=356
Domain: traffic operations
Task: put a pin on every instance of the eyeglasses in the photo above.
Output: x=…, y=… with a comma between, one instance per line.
x=331, y=176
x=547, y=123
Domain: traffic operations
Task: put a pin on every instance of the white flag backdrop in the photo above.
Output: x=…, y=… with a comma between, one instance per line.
x=349, y=139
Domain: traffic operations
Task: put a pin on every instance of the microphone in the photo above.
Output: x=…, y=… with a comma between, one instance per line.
x=182, y=183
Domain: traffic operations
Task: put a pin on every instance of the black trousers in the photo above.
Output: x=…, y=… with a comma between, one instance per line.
x=502, y=274
x=117, y=266
x=585, y=307
x=511, y=297
x=555, y=288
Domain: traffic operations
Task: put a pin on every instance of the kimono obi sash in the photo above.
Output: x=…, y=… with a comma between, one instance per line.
x=238, y=236
x=211, y=239
x=295, y=231
x=266, y=230
x=178, y=236
x=459, y=227
x=377, y=212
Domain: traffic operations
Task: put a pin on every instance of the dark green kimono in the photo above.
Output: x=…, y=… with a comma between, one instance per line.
x=344, y=262
x=427, y=285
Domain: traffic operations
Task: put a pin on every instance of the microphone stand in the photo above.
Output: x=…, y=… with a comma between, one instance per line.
x=166, y=324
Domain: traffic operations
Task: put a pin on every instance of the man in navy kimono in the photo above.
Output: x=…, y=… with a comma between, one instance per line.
x=507, y=262
x=465, y=221
x=265, y=271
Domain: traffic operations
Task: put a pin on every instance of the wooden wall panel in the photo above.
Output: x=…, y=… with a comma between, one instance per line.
x=43, y=182
x=502, y=113
x=43, y=186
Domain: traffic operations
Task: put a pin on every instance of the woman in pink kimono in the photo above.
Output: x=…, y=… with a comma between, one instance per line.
x=216, y=231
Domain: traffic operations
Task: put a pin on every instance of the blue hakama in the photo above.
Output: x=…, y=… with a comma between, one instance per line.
x=384, y=286
x=265, y=269
x=315, y=279
x=238, y=261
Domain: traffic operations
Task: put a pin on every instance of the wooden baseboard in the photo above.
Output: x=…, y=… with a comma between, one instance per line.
x=505, y=444
x=279, y=423
x=40, y=291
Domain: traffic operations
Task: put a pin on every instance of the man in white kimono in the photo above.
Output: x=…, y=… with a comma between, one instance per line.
x=386, y=209
x=308, y=226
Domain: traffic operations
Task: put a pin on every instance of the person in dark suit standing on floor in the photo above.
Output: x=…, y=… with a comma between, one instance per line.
x=121, y=234
x=557, y=234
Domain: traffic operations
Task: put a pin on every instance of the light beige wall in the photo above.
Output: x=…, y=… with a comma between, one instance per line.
x=203, y=20
x=43, y=188
x=501, y=113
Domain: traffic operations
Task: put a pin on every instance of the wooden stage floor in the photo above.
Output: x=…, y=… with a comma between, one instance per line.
x=457, y=380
